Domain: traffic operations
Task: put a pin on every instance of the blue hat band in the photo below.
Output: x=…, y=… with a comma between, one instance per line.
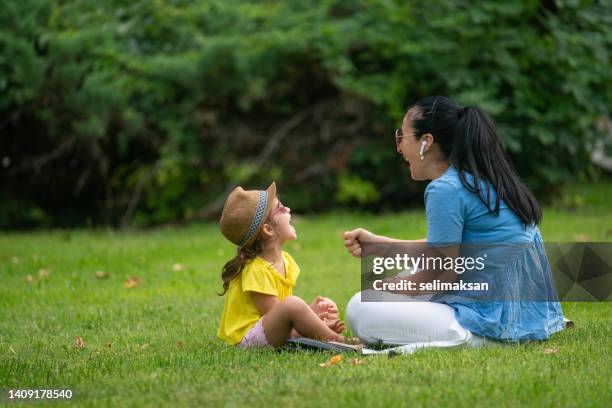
x=258, y=218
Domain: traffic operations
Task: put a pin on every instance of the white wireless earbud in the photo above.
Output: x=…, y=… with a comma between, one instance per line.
x=422, y=151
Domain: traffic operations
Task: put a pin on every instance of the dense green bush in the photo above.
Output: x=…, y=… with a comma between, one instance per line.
x=140, y=112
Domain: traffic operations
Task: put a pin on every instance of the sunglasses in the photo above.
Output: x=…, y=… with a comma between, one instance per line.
x=399, y=134
x=279, y=209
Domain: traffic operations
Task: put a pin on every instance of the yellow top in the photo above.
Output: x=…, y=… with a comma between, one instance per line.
x=239, y=311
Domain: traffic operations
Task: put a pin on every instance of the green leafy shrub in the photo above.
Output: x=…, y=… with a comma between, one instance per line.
x=144, y=112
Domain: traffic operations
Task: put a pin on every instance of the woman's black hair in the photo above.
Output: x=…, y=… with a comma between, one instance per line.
x=468, y=137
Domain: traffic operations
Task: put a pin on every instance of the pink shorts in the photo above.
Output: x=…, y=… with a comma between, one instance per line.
x=256, y=337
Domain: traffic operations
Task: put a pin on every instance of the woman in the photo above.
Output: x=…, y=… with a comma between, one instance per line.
x=475, y=197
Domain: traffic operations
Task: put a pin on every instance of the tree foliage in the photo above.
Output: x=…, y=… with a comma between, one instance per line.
x=144, y=112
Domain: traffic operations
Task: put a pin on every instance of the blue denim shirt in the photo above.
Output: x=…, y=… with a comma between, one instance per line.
x=457, y=215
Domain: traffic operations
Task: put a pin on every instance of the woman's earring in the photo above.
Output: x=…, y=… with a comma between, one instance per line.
x=422, y=151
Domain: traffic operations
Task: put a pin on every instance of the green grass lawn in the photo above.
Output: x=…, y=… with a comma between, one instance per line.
x=155, y=344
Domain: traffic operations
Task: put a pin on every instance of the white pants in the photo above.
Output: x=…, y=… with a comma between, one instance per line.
x=406, y=322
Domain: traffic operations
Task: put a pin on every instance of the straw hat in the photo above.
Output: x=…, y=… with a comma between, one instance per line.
x=244, y=213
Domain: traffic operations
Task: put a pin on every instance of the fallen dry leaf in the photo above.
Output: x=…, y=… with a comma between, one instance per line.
x=43, y=273
x=30, y=279
x=356, y=361
x=132, y=282
x=550, y=351
x=79, y=344
x=332, y=361
x=582, y=238
x=179, y=344
x=177, y=267
x=101, y=274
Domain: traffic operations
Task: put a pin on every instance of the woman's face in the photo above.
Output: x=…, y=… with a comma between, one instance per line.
x=409, y=147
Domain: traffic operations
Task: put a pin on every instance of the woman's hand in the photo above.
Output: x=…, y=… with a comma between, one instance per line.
x=354, y=238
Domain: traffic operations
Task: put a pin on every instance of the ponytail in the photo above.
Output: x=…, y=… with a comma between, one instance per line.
x=233, y=268
x=468, y=137
x=478, y=150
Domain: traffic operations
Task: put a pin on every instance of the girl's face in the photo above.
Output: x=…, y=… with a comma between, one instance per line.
x=280, y=220
x=409, y=147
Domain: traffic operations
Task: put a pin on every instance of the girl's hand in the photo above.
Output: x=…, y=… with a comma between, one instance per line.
x=336, y=325
x=331, y=320
x=322, y=305
x=354, y=238
x=327, y=310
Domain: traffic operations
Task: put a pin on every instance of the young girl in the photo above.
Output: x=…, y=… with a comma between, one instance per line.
x=259, y=309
